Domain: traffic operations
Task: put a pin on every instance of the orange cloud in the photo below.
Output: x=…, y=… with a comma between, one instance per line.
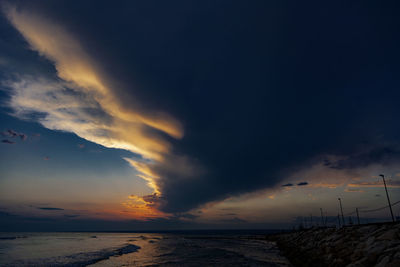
x=144, y=207
x=79, y=71
x=146, y=173
x=325, y=185
x=117, y=126
x=351, y=190
x=389, y=183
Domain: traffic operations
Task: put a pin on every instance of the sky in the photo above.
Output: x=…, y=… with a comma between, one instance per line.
x=160, y=115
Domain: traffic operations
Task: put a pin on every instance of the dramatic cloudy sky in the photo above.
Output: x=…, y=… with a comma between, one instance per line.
x=196, y=114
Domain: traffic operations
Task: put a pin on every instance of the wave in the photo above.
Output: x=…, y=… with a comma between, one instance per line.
x=79, y=259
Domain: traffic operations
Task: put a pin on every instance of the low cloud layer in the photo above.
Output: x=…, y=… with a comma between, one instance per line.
x=49, y=208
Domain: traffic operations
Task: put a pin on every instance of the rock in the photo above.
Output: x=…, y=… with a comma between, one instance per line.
x=356, y=246
x=329, y=257
x=394, y=243
x=357, y=254
x=370, y=241
x=360, y=263
x=389, y=235
x=366, y=229
x=376, y=248
x=373, y=252
x=392, y=250
x=394, y=263
x=383, y=262
x=338, y=262
x=328, y=249
x=360, y=245
x=371, y=258
x=333, y=237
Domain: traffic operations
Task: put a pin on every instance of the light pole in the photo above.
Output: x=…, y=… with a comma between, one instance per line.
x=341, y=210
x=387, y=195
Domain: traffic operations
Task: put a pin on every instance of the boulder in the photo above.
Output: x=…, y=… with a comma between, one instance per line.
x=382, y=263
x=370, y=241
x=360, y=263
x=355, y=246
x=397, y=255
x=394, y=263
x=389, y=235
x=356, y=255
x=376, y=248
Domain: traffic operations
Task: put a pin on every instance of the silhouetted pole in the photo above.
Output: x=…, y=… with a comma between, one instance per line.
x=358, y=216
x=387, y=194
x=341, y=210
x=338, y=218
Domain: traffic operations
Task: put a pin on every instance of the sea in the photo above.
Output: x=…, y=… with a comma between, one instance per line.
x=138, y=249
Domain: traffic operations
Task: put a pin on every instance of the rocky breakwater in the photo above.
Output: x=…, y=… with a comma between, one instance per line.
x=358, y=245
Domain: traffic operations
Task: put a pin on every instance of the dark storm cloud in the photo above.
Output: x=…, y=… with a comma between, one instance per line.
x=298, y=184
x=49, y=208
x=302, y=184
x=261, y=88
x=12, y=134
x=377, y=155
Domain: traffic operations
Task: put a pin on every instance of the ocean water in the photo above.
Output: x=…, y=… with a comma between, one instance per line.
x=137, y=249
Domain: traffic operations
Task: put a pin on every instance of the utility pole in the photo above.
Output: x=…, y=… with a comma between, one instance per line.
x=358, y=216
x=338, y=218
x=387, y=194
x=341, y=210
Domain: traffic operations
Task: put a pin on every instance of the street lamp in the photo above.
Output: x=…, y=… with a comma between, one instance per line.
x=387, y=195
